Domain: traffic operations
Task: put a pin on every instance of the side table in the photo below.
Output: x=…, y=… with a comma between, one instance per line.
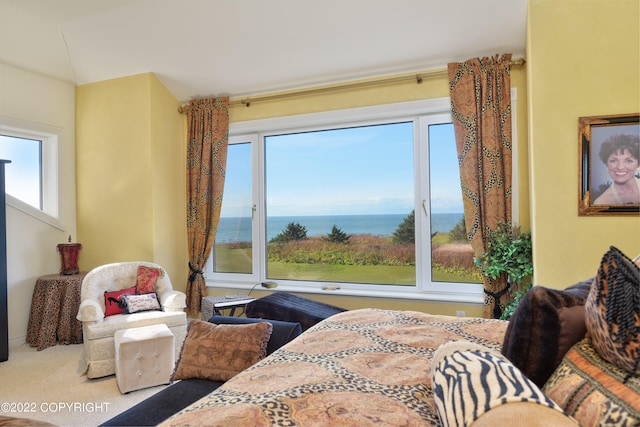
x=54, y=306
x=212, y=305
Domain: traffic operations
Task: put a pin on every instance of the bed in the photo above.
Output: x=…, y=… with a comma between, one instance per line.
x=360, y=367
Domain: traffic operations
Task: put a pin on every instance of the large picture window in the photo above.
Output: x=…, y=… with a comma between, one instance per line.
x=361, y=202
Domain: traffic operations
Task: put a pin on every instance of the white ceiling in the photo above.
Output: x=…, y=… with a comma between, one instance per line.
x=246, y=47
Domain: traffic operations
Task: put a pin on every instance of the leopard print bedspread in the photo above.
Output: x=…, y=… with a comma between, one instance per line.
x=357, y=368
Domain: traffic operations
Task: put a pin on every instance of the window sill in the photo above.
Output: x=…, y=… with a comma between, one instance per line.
x=33, y=212
x=471, y=297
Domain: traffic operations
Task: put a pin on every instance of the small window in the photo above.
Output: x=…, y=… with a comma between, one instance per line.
x=23, y=176
x=31, y=177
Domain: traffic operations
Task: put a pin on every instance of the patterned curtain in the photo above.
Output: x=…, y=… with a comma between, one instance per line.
x=207, y=140
x=481, y=108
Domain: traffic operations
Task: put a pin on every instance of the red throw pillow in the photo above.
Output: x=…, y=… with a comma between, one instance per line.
x=113, y=301
x=146, y=281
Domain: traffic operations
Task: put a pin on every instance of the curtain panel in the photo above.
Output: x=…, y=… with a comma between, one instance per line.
x=481, y=108
x=207, y=143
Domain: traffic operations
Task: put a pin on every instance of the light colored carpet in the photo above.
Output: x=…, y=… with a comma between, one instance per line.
x=49, y=385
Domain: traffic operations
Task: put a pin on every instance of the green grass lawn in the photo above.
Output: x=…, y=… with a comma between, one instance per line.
x=239, y=261
x=376, y=274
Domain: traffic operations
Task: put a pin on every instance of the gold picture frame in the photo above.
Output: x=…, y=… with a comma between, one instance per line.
x=603, y=183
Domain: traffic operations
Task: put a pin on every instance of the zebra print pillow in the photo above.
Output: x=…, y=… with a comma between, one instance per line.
x=469, y=380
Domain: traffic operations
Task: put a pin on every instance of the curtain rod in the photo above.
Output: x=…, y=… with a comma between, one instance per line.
x=518, y=62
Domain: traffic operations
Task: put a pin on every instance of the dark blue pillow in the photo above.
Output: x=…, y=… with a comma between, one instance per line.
x=282, y=333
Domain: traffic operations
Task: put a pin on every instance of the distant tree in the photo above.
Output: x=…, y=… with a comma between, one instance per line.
x=406, y=231
x=338, y=236
x=293, y=231
x=459, y=232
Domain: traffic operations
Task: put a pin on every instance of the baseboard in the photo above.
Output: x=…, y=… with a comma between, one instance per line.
x=17, y=341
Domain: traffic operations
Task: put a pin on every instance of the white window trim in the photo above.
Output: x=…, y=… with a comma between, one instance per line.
x=424, y=290
x=51, y=195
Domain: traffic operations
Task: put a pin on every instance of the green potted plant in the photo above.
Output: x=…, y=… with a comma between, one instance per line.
x=508, y=253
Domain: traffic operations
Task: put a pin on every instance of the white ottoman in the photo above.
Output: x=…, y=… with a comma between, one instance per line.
x=145, y=357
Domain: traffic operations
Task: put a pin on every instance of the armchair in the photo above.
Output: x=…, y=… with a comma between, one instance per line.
x=98, y=329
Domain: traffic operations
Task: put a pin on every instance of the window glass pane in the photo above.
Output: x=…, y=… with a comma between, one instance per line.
x=23, y=174
x=334, y=199
x=451, y=252
x=232, y=252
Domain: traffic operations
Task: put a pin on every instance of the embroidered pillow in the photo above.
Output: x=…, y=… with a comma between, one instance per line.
x=592, y=390
x=218, y=352
x=612, y=311
x=136, y=303
x=113, y=301
x=146, y=279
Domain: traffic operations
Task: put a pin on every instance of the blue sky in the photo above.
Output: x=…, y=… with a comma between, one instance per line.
x=22, y=175
x=364, y=170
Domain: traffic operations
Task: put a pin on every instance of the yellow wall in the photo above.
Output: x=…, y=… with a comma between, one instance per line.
x=168, y=155
x=583, y=60
x=130, y=174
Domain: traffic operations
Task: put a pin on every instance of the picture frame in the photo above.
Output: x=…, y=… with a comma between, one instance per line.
x=604, y=184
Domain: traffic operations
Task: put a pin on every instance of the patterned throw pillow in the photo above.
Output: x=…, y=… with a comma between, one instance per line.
x=470, y=380
x=218, y=352
x=147, y=279
x=612, y=311
x=137, y=303
x=113, y=301
x=592, y=390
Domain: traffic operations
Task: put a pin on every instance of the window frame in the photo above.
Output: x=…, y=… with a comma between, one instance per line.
x=50, y=192
x=422, y=113
x=256, y=252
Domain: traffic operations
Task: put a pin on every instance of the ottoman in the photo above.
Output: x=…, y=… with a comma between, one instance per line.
x=145, y=357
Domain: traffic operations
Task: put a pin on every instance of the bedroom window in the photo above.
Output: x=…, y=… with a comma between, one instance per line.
x=23, y=174
x=232, y=252
x=359, y=202
x=32, y=175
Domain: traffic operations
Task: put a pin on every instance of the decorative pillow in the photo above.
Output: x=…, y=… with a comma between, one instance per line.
x=282, y=332
x=543, y=328
x=612, y=311
x=592, y=390
x=136, y=303
x=146, y=280
x=218, y=352
x=113, y=301
x=469, y=380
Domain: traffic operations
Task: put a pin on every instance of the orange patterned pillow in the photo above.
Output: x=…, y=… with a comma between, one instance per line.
x=146, y=280
x=218, y=352
x=592, y=390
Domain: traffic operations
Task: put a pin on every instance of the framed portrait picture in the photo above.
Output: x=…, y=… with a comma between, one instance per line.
x=609, y=150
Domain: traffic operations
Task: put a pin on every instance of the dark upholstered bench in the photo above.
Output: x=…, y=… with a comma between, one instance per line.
x=180, y=394
x=288, y=307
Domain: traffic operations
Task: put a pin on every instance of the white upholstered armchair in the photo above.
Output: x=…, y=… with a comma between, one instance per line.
x=98, y=329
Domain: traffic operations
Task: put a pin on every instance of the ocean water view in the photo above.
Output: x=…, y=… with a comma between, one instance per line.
x=238, y=229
